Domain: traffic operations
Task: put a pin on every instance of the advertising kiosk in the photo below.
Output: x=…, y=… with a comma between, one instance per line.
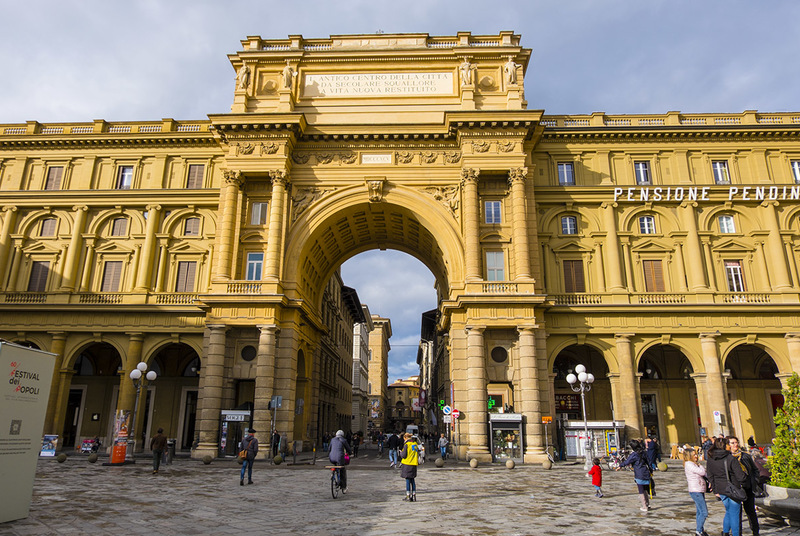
x=506, y=437
x=232, y=423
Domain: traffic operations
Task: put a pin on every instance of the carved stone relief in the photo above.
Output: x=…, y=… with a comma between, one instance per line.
x=428, y=157
x=452, y=157
x=481, y=146
x=245, y=148
x=300, y=158
x=375, y=188
x=269, y=147
x=506, y=146
x=404, y=157
x=348, y=158
x=446, y=195
x=302, y=198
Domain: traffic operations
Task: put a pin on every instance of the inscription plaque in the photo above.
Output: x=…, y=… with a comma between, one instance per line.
x=377, y=84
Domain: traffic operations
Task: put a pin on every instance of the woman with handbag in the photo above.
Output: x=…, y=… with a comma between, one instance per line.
x=696, y=480
x=340, y=455
x=750, y=485
x=726, y=477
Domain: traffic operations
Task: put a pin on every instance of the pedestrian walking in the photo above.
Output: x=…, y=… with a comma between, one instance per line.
x=750, y=483
x=596, y=472
x=393, y=443
x=356, y=444
x=409, y=461
x=723, y=471
x=276, y=442
x=641, y=472
x=157, y=444
x=443, y=446
x=696, y=482
x=326, y=439
x=340, y=450
x=250, y=448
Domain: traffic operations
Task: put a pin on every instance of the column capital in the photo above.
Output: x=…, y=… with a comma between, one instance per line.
x=153, y=207
x=217, y=327
x=470, y=174
x=709, y=336
x=80, y=208
x=266, y=328
x=477, y=329
x=58, y=335
x=792, y=336
x=9, y=208
x=517, y=175
x=279, y=177
x=137, y=336
x=233, y=177
x=531, y=328
x=609, y=204
x=624, y=337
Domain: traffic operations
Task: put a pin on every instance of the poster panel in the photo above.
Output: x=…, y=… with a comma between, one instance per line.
x=24, y=390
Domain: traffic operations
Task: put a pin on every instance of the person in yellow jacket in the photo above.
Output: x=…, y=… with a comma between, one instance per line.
x=409, y=461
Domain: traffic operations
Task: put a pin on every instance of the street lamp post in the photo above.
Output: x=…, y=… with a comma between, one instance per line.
x=138, y=382
x=582, y=383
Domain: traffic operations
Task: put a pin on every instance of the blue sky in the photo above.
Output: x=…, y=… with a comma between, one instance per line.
x=147, y=60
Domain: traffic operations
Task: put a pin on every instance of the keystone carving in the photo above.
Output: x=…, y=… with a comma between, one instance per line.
x=428, y=157
x=446, y=195
x=480, y=146
x=404, y=157
x=302, y=198
x=375, y=188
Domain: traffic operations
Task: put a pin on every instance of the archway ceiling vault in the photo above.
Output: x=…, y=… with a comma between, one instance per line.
x=364, y=227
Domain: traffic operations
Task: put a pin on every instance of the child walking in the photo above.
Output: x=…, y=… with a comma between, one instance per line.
x=409, y=461
x=596, y=472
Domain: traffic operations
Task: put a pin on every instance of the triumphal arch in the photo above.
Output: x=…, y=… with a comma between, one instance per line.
x=659, y=251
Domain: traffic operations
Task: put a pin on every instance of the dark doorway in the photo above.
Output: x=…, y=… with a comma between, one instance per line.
x=74, y=403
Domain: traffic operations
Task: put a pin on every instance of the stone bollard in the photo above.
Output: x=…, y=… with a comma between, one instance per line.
x=277, y=460
x=207, y=459
x=510, y=464
x=547, y=464
x=473, y=463
x=439, y=462
x=92, y=457
x=61, y=458
x=662, y=466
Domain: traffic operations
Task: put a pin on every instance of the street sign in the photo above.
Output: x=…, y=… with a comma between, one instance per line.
x=455, y=413
x=546, y=419
x=446, y=410
x=717, y=417
x=447, y=419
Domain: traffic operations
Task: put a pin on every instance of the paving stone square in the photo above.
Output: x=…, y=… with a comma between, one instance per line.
x=191, y=498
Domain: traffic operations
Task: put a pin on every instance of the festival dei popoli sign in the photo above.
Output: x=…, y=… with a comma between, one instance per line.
x=24, y=390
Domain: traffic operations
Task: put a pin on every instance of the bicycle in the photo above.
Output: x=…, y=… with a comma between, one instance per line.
x=336, y=479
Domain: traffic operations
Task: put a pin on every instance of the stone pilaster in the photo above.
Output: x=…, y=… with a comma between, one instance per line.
x=613, y=261
x=716, y=392
x=276, y=216
x=265, y=376
x=777, y=260
x=57, y=346
x=212, y=374
x=530, y=405
x=477, y=396
x=228, y=206
x=519, y=223
x=9, y=222
x=692, y=251
x=472, y=245
x=630, y=405
x=148, y=248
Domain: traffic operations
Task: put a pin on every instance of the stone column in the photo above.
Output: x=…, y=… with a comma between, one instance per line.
x=88, y=265
x=9, y=223
x=716, y=392
x=57, y=347
x=612, y=249
x=599, y=269
x=69, y=281
x=681, y=266
x=530, y=405
x=145, y=275
x=16, y=263
x=477, y=397
x=693, y=252
x=62, y=399
x=285, y=382
x=472, y=244
x=127, y=391
x=265, y=376
x=793, y=344
x=163, y=253
x=630, y=406
x=628, y=264
x=276, y=216
x=702, y=402
x=777, y=260
x=212, y=374
x=712, y=283
x=519, y=222
x=229, y=200
x=762, y=262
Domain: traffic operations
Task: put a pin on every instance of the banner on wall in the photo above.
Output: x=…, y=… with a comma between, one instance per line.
x=24, y=390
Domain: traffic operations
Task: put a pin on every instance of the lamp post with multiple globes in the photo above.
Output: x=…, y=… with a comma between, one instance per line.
x=582, y=383
x=138, y=382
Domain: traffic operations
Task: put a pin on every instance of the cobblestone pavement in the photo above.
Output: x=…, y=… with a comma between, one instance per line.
x=77, y=497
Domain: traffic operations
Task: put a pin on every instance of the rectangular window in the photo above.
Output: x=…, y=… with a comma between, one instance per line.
x=493, y=212
x=119, y=227
x=647, y=225
x=573, y=276
x=38, y=280
x=255, y=261
x=186, y=273
x=566, y=174
x=112, y=274
x=653, y=276
x=124, y=177
x=569, y=225
x=495, y=266
x=194, y=180
x=733, y=271
x=796, y=171
x=726, y=225
x=191, y=227
x=48, y=227
x=258, y=214
x=642, y=171
x=53, y=180
x=720, y=169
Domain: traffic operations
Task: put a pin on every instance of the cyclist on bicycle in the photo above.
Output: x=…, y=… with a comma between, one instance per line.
x=339, y=448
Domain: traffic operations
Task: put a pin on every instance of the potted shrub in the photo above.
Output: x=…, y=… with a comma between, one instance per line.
x=783, y=491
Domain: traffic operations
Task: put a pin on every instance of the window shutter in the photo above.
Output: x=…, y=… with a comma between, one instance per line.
x=192, y=227
x=112, y=274
x=119, y=227
x=653, y=276
x=186, y=273
x=48, y=227
x=573, y=276
x=195, y=179
x=38, y=280
x=53, y=181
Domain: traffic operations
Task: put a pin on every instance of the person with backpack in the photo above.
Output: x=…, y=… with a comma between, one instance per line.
x=726, y=477
x=409, y=461
x=393, y=443
x=642, y=474
x=250, y=448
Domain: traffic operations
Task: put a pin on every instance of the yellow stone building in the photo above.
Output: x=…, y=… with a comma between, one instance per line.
x=660, y=251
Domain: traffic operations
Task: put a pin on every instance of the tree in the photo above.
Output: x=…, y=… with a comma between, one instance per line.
x=785, y=460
